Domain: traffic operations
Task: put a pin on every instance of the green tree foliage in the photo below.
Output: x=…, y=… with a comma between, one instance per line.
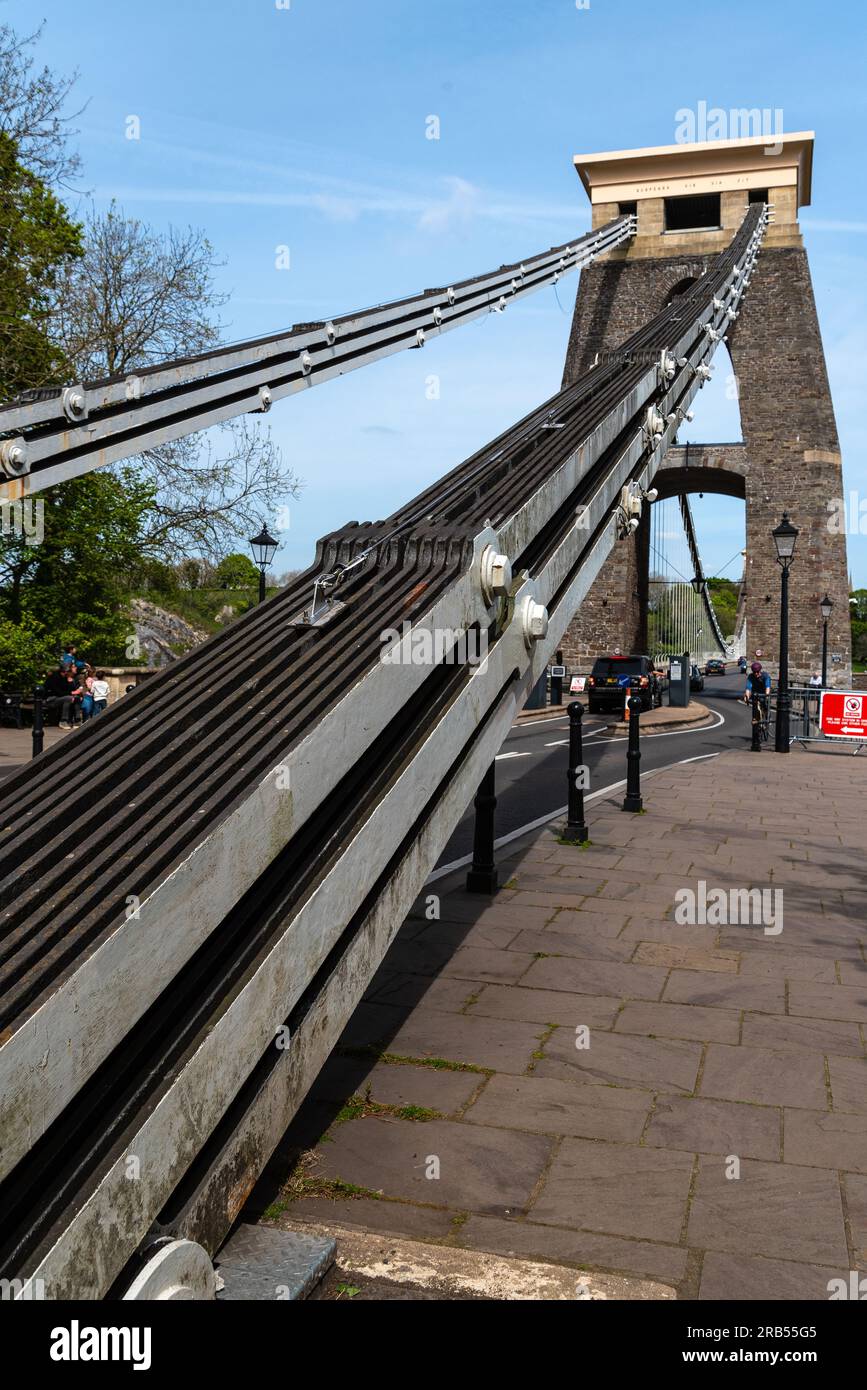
x=26, y=653
x=236, y=572
x=72, y=587
x=859, y=626
x=724, y=595
x=37, y=240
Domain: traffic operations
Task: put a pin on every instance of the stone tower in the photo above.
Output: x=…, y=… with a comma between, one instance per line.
x=690, y=200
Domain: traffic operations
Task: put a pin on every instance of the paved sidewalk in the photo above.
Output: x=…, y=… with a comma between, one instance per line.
x=712, y=1135
x=16, y=745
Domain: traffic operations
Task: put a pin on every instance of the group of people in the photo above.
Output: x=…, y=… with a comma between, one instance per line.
x=75, y=690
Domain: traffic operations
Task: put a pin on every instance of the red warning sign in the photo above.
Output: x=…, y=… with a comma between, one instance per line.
x=843, y=714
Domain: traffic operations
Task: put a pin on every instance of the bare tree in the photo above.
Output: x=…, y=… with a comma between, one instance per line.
x=138, y=296
x=207, y=498
x=32, y=109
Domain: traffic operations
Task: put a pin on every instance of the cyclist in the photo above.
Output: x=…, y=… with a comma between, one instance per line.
x=758, y=683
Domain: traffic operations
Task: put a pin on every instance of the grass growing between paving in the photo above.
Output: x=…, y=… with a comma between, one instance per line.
x=393, y=1059
x=357, y=1107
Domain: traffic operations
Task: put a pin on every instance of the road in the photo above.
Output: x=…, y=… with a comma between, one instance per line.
x=531, y=766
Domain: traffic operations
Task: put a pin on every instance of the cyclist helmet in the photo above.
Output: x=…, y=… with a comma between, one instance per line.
x=756, y=667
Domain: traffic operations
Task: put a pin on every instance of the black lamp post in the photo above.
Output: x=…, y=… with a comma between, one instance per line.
x=785, y=535
x=825, y=609
x=264, y=548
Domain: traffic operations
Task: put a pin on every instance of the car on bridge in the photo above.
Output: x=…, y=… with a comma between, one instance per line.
x=696, y=679
x=715, y=668
x=609, y=683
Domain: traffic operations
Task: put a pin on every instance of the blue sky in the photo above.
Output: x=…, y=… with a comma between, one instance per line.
x=305, y=126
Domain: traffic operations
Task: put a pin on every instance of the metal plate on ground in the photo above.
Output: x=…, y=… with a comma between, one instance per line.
x=258, y=1264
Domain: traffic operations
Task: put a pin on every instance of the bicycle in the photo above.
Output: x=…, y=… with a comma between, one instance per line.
x=760, y=706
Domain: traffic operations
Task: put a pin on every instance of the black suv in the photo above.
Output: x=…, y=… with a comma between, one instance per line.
x=609, y=683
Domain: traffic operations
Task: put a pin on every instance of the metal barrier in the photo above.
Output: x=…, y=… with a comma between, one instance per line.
x=805, y=718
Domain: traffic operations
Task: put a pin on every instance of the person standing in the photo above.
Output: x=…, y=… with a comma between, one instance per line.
x=100, y=689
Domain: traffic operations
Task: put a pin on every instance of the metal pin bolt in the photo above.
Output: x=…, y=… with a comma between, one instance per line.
x=496, y=573
x=534, y=621
x=13, y=456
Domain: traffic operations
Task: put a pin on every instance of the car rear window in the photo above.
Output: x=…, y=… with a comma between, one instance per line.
x=618, y=666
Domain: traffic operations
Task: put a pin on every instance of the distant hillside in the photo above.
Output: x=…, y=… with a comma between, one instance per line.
x=168, y=629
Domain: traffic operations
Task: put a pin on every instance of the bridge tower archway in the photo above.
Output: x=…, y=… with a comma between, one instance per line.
x=790, y=455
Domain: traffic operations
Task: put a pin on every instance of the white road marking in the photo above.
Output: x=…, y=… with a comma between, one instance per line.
x=561, y=811
x=500, y=756
x=673, y=733
x=558, y=743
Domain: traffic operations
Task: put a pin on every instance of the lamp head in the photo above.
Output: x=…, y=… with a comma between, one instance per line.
x=264, y=548
x=785, y=535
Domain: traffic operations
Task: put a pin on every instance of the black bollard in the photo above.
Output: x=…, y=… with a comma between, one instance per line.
x=482, y=877
x=576, y=827
x=632, y=799
x=38, y=736
x=755, y=746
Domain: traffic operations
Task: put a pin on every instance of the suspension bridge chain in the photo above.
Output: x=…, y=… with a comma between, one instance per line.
x=270, y=808
x=56, y=433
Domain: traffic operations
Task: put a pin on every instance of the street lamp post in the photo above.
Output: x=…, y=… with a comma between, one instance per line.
x=264, y=548
x=825, y=609
x=785, y=535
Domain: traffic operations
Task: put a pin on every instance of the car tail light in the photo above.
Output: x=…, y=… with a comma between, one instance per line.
x=592, y=680
x=644, y=680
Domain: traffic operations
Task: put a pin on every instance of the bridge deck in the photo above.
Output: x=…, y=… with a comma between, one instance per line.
x=705, y=1042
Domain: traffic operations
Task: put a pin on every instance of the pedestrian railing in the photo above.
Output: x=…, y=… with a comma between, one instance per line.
x=806, y=725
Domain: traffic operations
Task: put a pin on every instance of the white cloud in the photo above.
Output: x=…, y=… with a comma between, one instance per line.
x=461, y=205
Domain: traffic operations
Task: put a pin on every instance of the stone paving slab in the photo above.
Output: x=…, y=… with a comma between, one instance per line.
x=763, y=1077
x=559, y=1107
x=617, y=1189
x=814, y=1035
x=680, y=1021
x=614, y=1059
x=544, y=1006
x=777, y=1209
x=715, y=1127
x=757, y=1279
x=439, y=1163
x=614, y=1089
x=826, y=1139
